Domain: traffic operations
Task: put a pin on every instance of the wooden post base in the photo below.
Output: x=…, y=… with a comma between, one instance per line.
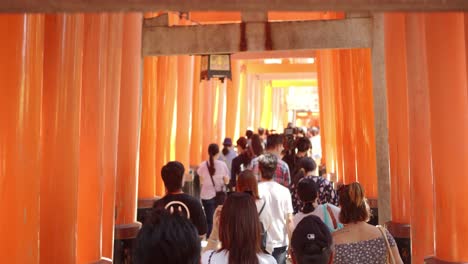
x=374, y=210
x=124, y=239
x=402, y=235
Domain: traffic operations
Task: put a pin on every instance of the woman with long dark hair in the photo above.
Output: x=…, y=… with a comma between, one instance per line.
x=239, y=234
x=214, y=175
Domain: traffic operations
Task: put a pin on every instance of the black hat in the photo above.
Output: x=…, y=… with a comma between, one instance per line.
x=311, y=241
x=227, y=142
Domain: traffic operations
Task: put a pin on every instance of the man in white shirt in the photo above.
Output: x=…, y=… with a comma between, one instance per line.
x=278, y=198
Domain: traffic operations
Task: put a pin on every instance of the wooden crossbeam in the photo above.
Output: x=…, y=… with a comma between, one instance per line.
x=232, y=38
x=13, y=6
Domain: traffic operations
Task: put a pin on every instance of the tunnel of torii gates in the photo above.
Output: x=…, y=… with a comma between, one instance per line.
x=93, y=104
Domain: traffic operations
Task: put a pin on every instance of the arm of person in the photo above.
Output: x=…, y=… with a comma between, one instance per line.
x=213, y=240
x=200, y=173
x=226, y=177
x=396, y=255
x=290, y=225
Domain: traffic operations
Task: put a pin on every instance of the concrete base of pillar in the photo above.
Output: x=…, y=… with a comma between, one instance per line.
x=434, y=260
x=144, y=207
x=102, y=261
x=374, y=220
x=402, y=235
x=124, y=240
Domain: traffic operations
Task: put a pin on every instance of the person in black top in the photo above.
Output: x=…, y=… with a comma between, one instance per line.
x=176, y=200
x=302, y=145
x=241, y=160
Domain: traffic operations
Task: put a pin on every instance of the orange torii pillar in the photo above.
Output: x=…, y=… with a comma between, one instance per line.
x=126, y=226
x=419, y=128
x=63, y=49
x=221, y=119
x=232, y=101
x=208, y=93
x=348, y=119
x=111, y=130
x=197, y=116
x=161, y=137
x=335, y=61
x=448, y=97
x=366, y=160
x=243, y=100
x=170, y=106
x=148, y=174
x=398, y=134
x=185, y=70
x=21, y=72
x=327, y=111
x=90, y=181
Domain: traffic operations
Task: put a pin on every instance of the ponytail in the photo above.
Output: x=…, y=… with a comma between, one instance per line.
x=308, y=207
x=356, y=194
x=225, y=150
x=298, y=176
x=213, y=149
x=211, y=167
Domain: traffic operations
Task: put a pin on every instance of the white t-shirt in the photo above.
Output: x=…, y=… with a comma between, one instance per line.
x=223, y=258
x=278, y=198
x=319, y=211
x=221, y=173
x=265, y=217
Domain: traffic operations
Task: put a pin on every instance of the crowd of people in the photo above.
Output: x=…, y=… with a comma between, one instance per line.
x=264, y=203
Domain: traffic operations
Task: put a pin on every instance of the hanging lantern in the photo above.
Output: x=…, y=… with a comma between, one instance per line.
x=216, y=66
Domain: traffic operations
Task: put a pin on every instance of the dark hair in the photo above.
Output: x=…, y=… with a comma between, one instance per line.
x=308, y=164
x=225, y=150
x=247, y=181
x=308, y=192
x=248, y=133
x=267, y=165
x=242, y=142
x=239, y=229
x=261, y=131
x=213, y=149
x=303, y=144
x=166, y=238
x=172, y=174
x=311, y=241
x=354, y=207
x=256, y=144
x=274, y=140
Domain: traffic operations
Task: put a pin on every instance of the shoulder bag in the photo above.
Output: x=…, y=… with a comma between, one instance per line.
x=390, y=257
x=221, y=195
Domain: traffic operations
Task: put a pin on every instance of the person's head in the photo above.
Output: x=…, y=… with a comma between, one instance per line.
x=312, y=241
x=308, y=164
x=213, y=150
x=239, y=228
x=267, y=165
x=308, y=193
x=303, y=144
x=227, y=143
x=256, y=145
x=353, y=203
x=241, y=144
x=315, y=131
x=173, y=174
x=247, y=182
x=261, y=131
x=275, y=143
x=167, y=238
x=249, y=133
